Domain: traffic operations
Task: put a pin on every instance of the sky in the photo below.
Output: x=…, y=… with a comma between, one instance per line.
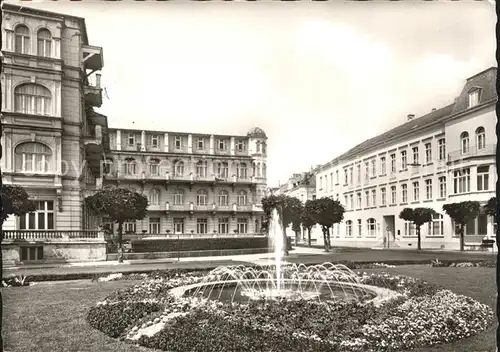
x=318, y=77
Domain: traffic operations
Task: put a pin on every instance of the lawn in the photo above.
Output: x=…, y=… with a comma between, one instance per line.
x=51, y=317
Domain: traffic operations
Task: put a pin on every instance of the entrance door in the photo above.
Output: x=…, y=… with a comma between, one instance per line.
x=178, y=225
x=389, y=230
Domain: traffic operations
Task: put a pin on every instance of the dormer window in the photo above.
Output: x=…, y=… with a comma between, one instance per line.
x=474, y=97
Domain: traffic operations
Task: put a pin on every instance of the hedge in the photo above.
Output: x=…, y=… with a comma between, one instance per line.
x=200, y=244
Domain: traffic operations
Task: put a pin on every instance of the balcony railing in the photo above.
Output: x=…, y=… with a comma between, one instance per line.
x=190, y=235
x=471, y=152
x=45, y=235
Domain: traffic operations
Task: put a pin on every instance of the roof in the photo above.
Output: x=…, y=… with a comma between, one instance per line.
x=256, y=132
x=486, y=81
x=138, y=130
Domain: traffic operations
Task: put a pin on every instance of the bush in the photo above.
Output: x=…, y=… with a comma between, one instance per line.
x=199, y=244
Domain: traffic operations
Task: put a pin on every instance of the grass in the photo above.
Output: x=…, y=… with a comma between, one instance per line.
x=51, y=316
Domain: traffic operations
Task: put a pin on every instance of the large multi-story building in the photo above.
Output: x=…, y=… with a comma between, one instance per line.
x=445, y=156
x=195, y=183
x=301, y=186
x=53, y=140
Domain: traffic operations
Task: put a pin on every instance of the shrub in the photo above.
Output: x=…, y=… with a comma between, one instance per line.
x=198, y=244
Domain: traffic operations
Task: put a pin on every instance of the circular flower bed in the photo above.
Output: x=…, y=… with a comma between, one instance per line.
x=419, y=315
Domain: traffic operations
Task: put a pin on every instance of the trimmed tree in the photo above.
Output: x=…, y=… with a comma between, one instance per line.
x=461, y=213
x=418, y=217
x=15, y=201
x=326, y=213
x=490, y=208
x=308, y=219
x=120, y=205
x=289, y=210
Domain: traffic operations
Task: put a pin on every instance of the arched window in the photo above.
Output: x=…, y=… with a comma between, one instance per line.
x=44, y=42
x=178, y=197
x=32, y=99
x=130, y=167
x=348, y=228
x=154, y=167
x=33, y=157
x=223, y=198
x=371, y=226
x=242, y=198
x=179, y=168
x=201, y=169
x=202, y=197
x=480, y=138
x=22, y=39
x=222, y=170
x=154, y=197
x=241, y=171
x=464, y=142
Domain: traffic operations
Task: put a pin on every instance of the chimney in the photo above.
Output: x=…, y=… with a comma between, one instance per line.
x=433, y=109
x=411, y=117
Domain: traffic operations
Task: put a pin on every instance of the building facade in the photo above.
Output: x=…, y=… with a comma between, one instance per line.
x=53, y=140
x=196, y=183
x=446, y=156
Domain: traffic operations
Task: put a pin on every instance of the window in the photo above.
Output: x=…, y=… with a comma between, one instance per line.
x=337, y=180
x=31, y=253
x=415, y=155
x=223, y=198
x=155, y=141
x=374, y=168
x=345, y=176
x=483, y=178
x=393, y=194
x=367, y=171
x=240, y=146
x=201, y=169
x=320, y=183
x=44, y=43
x=178, y=225
x=409, y=229
x=428, y=153
x=416, y=191
x=461, y=181
x=474, y=98
x=360, y=228
x=374, y=198
x=130, y=227
x=351, y=175
x=404, y=193
x=383, y=196
x=178, y=197
x=428, y=189
x=482, y=224
x=201, y=143
x=223, y=170
x=107, y=166
x=179, y=168
x=367, y=199
x=393, y=163
x=359, y=201
x=222, y=144
x=345, y=201
x=436, y=226
x=242, y=225
x=178, y=142
x=41, y=219
x=348, y=228
x=32, y=99
x=331, y=180
x=382, y=165
x=154, y=226
x=22, y=40
x=242, y=198
x=154, y=167
x=202, y=197
x=223, y=225
x=33, y=157
x=131, y=139
x=154, y=197
x=359, y=173
x=442, y=187
x=201, y=226
x=351, y=197
x=130, y=167
x=464, y=142
x=258, y=147
x=404, y=160
x=442, y=149
x=480, y=138
x=371, y=227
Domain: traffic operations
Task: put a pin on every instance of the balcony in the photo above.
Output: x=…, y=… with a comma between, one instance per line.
x=51, y=235
x=93, y=91
x=96, y=141
x=472, y=152
x=93, y=58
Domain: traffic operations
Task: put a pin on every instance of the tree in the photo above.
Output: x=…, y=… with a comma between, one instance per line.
x=490, y=207
x=327, y=212
x=461, y=213
x=418, y=217
x=120, y=205
x=15, y=200
x=289, y=210
x=308, y=219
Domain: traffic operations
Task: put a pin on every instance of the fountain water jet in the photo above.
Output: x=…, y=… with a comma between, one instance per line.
x=276, y=231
